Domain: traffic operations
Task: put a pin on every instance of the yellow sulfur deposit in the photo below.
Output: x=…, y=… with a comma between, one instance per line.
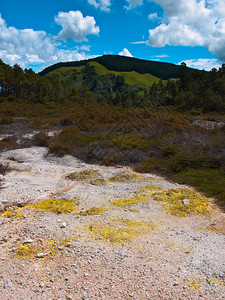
x=125, y=202
x=57, y=205
x=118, y=231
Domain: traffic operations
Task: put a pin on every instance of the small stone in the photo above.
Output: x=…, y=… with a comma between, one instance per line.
x=8, y=283
x=2, y=206
x=40, y=255
x=28, y=241
x=221, y=274
x=68, y=244
x=175, y=283
x=186, y=201
x=60, y=248
x=63, y=225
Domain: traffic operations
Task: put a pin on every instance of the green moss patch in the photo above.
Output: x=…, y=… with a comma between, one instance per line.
x=93, y=211
x=57, y=205
x=131, y=201
x=119, y=231
x=83, y=175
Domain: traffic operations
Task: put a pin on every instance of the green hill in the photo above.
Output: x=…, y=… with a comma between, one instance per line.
x=125, y=64
x=132, y=78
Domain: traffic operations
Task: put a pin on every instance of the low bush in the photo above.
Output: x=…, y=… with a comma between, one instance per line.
x=41, y=139
x=60, y=150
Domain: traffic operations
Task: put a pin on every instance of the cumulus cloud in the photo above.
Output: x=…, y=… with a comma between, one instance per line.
x=126, y=52
x=133, y=3
x=191, y=23
x=103, y=5
x=75, y=26
x=28, y=47
x=203, y=63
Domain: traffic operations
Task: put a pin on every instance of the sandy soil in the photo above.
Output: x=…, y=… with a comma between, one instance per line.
x=175, y=258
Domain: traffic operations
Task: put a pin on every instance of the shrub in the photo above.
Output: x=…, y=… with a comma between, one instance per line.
x=41, y=139
x=60, y=150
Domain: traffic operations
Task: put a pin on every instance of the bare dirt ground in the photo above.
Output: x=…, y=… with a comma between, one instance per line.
x=137, y=251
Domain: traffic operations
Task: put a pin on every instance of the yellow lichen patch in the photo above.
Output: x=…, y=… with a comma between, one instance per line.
x=134, y=210
x=126, y=176
x=26, y=251
x=131, y=201
x=12, y=213
x=150, y=189
x=207, y=229
x=57, y=205
x=195, y=284
x=93, y=211
x=99, y=181
x=84, y=175
x=54, y=244
x=182, y=202
x=118, y=231
x=215, y=281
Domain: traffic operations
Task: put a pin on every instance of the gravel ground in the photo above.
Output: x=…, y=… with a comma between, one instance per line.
x=178, y=258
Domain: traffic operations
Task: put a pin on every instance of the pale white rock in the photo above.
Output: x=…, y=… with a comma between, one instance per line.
x=8, y=283
x=28, y=241
x=186, y=201
x=63, y=225
x=40, y=255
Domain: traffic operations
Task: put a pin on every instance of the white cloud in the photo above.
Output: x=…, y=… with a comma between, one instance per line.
x=133, y=3
x=75, y=26
x=191, y=23
x=206, y=64
x=126, y=52
x=139, y=42
x=26, y=47
x=161, y=55
x=101, y=4
x=153, y=16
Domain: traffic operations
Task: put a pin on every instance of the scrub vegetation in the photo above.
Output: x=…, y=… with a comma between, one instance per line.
x=171, y=127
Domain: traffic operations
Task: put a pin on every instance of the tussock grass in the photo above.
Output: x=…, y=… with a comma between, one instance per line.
x=99, y=181
x=83, y=175
x=126, y=176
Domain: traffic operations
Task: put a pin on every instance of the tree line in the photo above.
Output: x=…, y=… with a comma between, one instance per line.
x=195, y=90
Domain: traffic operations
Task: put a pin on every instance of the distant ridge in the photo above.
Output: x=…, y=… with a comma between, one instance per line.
x=124, y=64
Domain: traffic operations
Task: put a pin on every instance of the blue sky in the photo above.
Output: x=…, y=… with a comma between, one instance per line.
x=37, y=34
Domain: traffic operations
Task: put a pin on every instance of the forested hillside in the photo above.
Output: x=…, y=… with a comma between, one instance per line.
x=193, y=89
